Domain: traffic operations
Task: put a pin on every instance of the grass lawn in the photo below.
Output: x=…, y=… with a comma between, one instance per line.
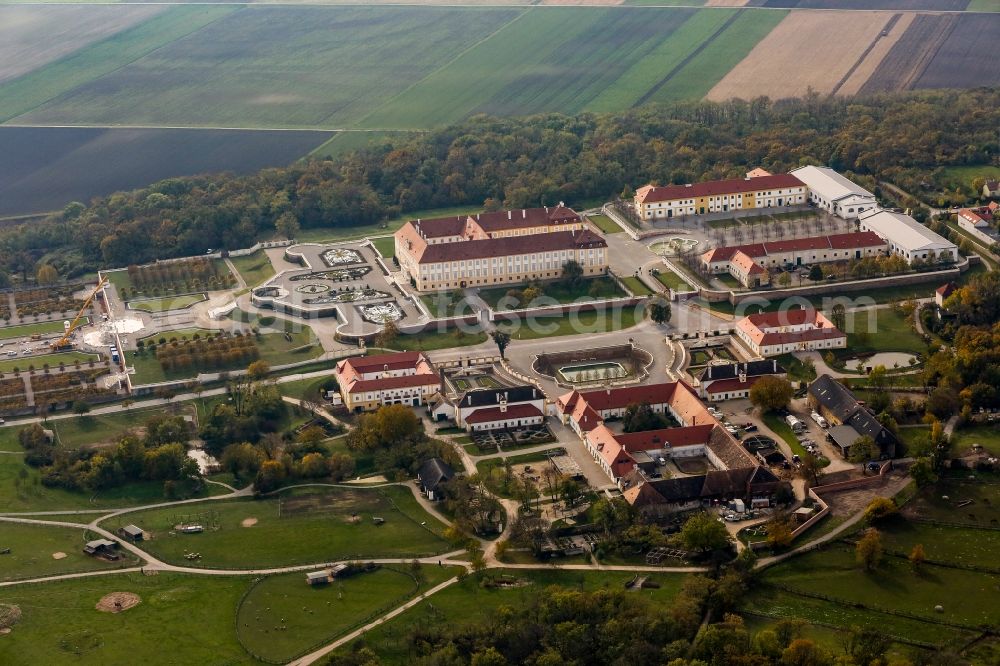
x=442, y=304
x=930, y=502
x=729, y=281
x=588, y=289
x=306, y=389
x=190, y=618
x=429, y=341
x=27, y=330
x=952, y=545
x=254, y=268
x=167, y=303
x=889, y=331
x=318, y=614
x=968, y=597
x=781, y=429
x=320, y=529
x=579, y=323
x=385, y=245
x=961, y=177
x=468, y=601
x=636, y=286
x=986, y=435
x=605, y=224
x=670, y=279
x=39, y=362
x=32, y=548
x=122, y=281
x=330, y=234
x=797, y=370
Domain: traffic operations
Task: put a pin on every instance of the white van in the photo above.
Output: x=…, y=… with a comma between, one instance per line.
x=820, y=421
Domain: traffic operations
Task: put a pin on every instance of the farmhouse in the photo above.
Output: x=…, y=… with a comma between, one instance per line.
x=432, y=475
x=834, y=193
x=796, y=252
x=765, y=191
x=747, y=271
x=849, y=419
x=774, y=333
x=978, y=223
x=496, y=409
x=497, y=248
x=908, y=238
x=942, y=293
x=585, y=411
x=734, y=380
x=991, y=189
x=401, y=378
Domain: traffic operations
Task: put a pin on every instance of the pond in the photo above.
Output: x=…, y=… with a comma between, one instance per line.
x=888, y=359
x=675, y=245
x=589, y=372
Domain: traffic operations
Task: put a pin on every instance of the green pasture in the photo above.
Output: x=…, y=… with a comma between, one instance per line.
x=34, y=548
x=189, y=618
x=271, y=66
x=282, y=616
x=888, y=331
x=323, y=534
x=253, y=268
x=951, y=545
x=89, y=429
x=343, y=143
x=56, y=81
x=986, y=435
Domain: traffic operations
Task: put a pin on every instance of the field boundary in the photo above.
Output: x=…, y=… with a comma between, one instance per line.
x=893, y=20
x=648, y=95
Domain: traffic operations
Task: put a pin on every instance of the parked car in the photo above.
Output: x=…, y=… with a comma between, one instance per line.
x=732, y=430
x=749, y=427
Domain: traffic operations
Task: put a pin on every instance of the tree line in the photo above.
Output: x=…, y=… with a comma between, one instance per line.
x=494, y=162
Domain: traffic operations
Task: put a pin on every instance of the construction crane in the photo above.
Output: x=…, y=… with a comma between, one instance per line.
x=63, y=342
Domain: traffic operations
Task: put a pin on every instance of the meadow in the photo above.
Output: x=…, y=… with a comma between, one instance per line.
x=315, y=525
x=34, y=550
x=40, y=361
x=168, y=303
x=191, y=617
x=574, y=323
x=254, y=268
x=27, y=330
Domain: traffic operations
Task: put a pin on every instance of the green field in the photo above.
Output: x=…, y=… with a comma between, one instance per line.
x=890, y=331
x=253, y=268
x=167, y=303
x=323, y=533
x=470, y=602
x=90, y=429
x=385, y=245
x=605, y=224
x=318, y=614
x=28, y=92
x=637, y=286
x=986, y=435
x=429, y=341
x=52, y=360
x=345, y=142
x=27, y=330
x=589, y=289
x=580, y=323
x=275, y=66
x=670, y=279
x=188, y=617
x=32, y=548
x=962, y=176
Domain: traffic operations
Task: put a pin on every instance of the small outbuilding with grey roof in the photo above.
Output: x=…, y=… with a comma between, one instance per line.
x=433, y=474
x=132, y=533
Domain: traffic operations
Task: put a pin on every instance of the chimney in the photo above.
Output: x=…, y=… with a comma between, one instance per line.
x=509, y=213
x=505, y=394
x=524, y=214
x=687, y=185
x=743, y=377
x=774, y=367
x=609, y=391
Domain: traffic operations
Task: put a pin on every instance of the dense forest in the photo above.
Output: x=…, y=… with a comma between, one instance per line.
x=516, y=162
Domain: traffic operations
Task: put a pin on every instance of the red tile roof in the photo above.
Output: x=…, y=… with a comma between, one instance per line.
x=946, y=290
x=385, y=383
x=510, y=246
x=717, y=187
x=658, y=439
x=491, y=414
x=730, y=385
x=526, y=217
x=745, y=262
x=439, y=227
x=861, y=239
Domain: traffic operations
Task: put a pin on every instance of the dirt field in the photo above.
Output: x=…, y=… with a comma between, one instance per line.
x=871, y=62
x=94, y=162
x=596, y=3
x=33, y=36
x=807, y=50
x=727, y=3
x=967, y=57
x=911, y=54
x=117, y=602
